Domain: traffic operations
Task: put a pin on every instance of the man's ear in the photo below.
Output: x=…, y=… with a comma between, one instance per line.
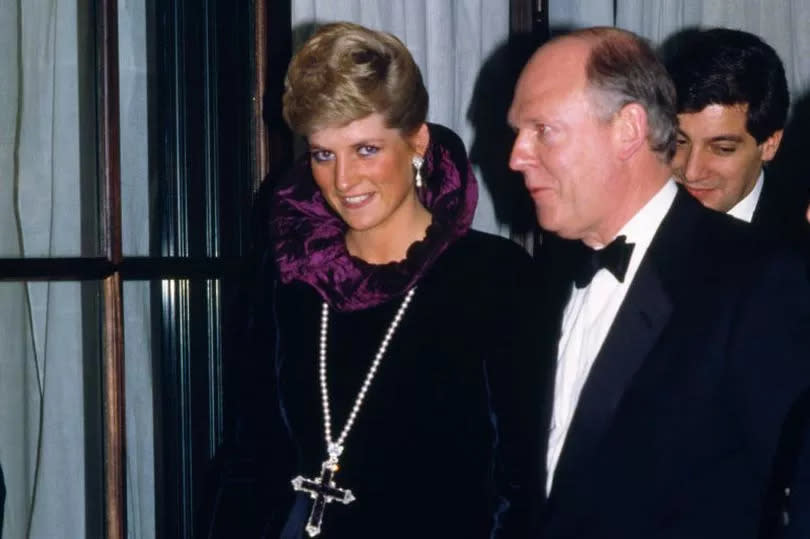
x=631, y=129
x=770, y=145
x=419, y=140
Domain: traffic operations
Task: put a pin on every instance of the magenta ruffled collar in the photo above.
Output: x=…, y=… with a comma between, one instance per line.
x=308, y=237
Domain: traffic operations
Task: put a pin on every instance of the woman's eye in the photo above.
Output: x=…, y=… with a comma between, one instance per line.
x=367, y=150
x=319, y=156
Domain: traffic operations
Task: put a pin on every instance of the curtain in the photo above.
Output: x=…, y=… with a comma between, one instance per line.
x=451, y=42
x=49, y=331
x=19, y=380
x=138, y=368
x=41, y=346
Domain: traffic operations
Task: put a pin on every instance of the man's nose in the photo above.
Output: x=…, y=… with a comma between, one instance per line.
x=694, y=166
x=521, y=155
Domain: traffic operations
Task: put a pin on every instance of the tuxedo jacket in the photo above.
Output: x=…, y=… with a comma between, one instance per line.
x=780, y=211
x=780, y=216
x=679, y=423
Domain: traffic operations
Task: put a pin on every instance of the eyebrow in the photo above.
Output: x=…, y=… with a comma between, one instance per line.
x=726, y=138
x=369, y=142
x=362, y=142
x=711, y=140
x=377, y=143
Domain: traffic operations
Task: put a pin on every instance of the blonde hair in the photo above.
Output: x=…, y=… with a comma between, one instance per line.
x=345, y=72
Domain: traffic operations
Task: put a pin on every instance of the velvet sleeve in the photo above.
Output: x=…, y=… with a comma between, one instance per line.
x=248, y=491
x=517, y=377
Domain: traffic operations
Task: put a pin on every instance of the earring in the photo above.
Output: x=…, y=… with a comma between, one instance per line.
x=417, y=164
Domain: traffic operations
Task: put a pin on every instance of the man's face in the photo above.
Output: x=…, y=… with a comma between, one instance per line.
x=718, y=160
x=562, y=149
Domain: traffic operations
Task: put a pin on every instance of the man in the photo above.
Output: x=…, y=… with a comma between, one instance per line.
x=667, y=406
x=732, y=103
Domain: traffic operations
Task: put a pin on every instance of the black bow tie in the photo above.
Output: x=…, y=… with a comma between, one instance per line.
x=615, y=258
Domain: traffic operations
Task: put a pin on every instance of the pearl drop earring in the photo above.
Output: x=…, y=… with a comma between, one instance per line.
x=417, y=165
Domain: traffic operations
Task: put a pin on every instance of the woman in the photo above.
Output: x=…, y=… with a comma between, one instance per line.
x=400, y=397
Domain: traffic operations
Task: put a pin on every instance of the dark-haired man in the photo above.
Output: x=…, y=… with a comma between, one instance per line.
x=678, y=344
x=732, y=102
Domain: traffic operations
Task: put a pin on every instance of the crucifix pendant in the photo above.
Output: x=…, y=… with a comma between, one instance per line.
x=323, y=490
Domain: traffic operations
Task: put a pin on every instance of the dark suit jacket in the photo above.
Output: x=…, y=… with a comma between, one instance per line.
x=780, y=211
x=678, y=424
x=780, y=216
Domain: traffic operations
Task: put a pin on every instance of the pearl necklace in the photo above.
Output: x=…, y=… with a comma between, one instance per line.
x=323, y=489
x=335, y=448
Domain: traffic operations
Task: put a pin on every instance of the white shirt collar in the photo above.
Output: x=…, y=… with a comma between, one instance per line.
x=641, y=228
x=588, y=317
x=744, y=209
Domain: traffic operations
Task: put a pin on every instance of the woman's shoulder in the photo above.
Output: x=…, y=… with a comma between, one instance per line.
x=480, y=259
x=486, y=246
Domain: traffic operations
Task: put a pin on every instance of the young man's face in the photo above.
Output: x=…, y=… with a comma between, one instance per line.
x=717, y=159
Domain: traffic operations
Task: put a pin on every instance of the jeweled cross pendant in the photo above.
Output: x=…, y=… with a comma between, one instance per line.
x=323, y=490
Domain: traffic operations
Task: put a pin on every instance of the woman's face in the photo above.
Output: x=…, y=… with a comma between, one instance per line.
x=365, y=173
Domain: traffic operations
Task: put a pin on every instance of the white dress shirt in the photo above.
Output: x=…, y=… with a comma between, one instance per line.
x=744, y=209
x=587, y=318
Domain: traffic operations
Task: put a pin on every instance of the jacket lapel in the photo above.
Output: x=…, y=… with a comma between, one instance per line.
x=641, y=319
x=637, y=326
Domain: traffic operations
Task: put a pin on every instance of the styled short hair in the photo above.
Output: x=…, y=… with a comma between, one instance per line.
x=721, y=66
x=623, y=68
x=345, y=72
